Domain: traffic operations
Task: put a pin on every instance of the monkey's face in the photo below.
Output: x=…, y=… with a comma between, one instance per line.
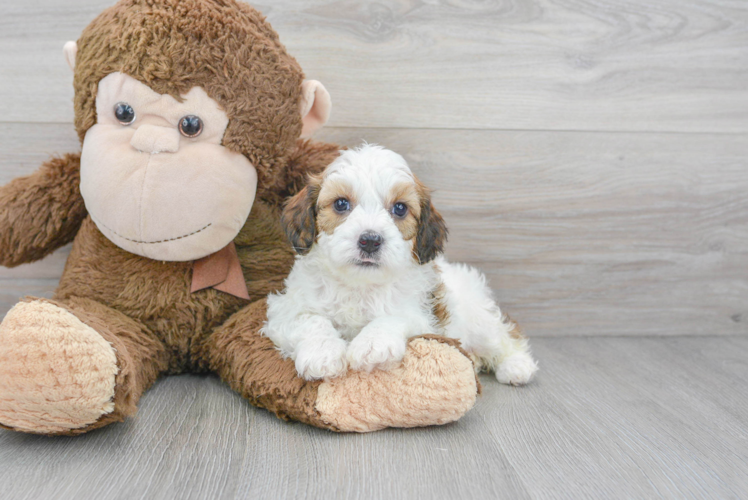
x=155, y=178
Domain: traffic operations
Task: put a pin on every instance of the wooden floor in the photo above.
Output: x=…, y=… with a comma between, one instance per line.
x=607, y=418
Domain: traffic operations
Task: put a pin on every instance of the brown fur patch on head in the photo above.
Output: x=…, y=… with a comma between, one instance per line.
x=327, y=218
x=299, y=218
x=224, y=46
x=432, y=230
x=407, y=193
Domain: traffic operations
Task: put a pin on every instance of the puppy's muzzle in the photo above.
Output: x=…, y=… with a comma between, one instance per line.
x=370, y=242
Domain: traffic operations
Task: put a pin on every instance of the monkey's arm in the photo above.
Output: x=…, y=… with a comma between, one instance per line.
x=41, y=212
x=435, y=384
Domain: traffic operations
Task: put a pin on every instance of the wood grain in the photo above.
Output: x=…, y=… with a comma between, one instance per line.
x=594, y=233
x=579, y=233
x=623, y=418
x=631, y=65
x=607, y=418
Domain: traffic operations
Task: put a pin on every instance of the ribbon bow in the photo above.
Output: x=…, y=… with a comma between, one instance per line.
x=221, y=271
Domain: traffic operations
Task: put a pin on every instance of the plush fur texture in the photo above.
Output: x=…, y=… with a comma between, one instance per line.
x=352, y=301
x=50, y=354
x=143, y=308
x=163, y=195
x=44, y=210
x=225, y=47
x=345, y=402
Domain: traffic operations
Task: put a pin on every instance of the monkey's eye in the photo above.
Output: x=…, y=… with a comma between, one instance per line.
x=341, y=205
x=399, y=210
x=191, y=126
x=124, y=113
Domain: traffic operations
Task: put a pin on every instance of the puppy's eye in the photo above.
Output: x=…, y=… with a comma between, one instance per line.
x=124, y=113
x=399, y=210
x=341, y=205
x=190, y=126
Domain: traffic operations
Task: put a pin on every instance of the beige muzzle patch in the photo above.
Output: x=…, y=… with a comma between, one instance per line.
x=153, y=139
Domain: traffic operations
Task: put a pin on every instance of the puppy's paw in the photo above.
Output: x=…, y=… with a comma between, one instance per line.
x=376, y=349
x=517, y=369
x=321, y=359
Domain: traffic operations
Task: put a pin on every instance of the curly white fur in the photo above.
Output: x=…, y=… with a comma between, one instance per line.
x=344, y=309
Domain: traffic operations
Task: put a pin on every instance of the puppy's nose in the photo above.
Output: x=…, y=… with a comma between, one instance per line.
x=370, y=241
x=154, y=139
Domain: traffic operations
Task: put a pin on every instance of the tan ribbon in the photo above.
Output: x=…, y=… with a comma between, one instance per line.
x=221, y=271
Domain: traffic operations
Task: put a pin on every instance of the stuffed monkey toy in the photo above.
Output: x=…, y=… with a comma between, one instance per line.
x=190, y=115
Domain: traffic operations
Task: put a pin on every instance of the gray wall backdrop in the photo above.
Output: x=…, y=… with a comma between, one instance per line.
x=591, y=157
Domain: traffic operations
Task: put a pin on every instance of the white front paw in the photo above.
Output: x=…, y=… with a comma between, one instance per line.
x=321, y=359
x=516, y=369
x=376, y=349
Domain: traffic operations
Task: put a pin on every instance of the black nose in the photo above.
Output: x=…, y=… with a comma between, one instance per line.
x=369, y=242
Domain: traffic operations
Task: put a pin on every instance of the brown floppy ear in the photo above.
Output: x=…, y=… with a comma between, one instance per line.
x=299, y=218
x=432, y=231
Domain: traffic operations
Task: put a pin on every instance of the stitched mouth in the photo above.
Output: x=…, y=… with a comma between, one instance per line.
x=152, y=242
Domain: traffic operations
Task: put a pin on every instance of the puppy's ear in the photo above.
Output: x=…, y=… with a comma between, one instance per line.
x=432, y=231
x=299, y=218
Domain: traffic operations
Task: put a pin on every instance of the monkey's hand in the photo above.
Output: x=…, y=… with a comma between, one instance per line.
x=435, y=384
x=41, y=212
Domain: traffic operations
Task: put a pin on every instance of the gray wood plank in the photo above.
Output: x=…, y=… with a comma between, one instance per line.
x=189, y=451
x=663, y=65
x=606, y=418
x=579, y=233
x=374, y=466
x=622, y=418
x=593, y=233
x=194, y=438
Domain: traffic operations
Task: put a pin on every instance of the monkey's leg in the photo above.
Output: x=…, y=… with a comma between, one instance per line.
x=67, y=367
x=435, y=384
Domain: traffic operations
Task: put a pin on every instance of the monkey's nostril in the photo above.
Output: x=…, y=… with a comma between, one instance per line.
x=370, y=241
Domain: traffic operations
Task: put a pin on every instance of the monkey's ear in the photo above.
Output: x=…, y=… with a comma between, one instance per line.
x=432, y=232
x=70, y=50
x=315, y=106
x=299, y=219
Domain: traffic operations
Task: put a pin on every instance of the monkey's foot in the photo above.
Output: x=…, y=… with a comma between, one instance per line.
x=434, y=385
x=56, y=373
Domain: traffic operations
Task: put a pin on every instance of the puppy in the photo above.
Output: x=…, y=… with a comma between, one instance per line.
x=370, y=275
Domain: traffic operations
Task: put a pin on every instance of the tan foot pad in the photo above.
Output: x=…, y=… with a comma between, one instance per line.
x=56, y=373
x=435, y=385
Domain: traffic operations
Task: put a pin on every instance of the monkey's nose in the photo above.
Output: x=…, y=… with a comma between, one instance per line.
x=153, y=139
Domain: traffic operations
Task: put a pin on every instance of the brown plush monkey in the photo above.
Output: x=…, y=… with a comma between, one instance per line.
x=190, y=114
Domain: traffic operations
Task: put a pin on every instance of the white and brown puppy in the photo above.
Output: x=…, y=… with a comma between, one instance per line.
x=370, y=275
